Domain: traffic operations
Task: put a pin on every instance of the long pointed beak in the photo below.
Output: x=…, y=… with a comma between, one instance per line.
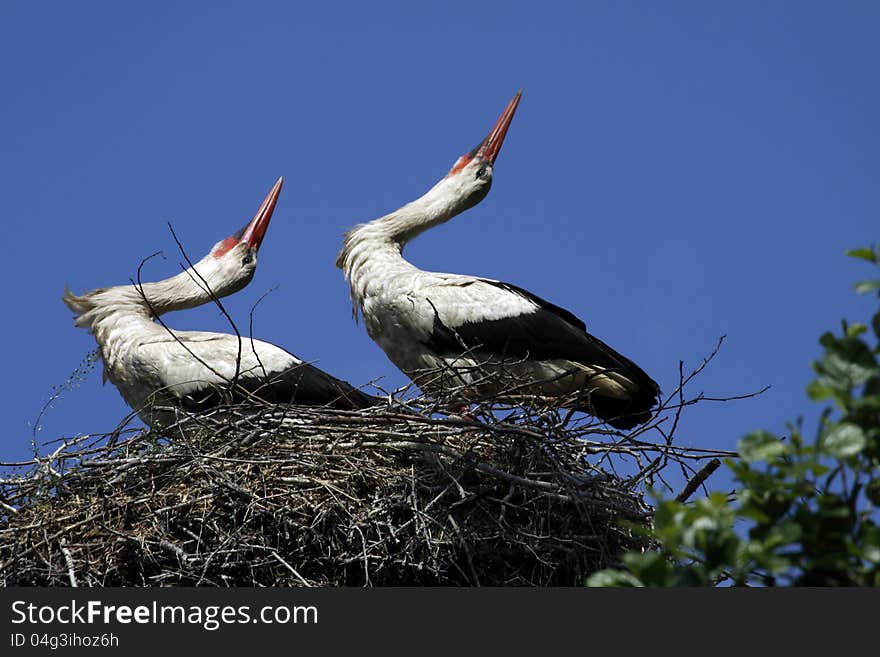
x=490, y=147
x=252, y=234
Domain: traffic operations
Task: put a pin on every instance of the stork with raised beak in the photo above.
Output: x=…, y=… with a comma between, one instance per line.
x=155, y=367
x=450, y=330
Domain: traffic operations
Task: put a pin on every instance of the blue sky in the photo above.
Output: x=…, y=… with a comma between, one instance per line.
x=674, y=172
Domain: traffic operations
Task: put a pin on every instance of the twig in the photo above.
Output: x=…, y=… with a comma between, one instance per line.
x=69, y=560
x=704, y=473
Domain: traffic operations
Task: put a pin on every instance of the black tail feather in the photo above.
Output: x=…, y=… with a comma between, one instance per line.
x=622, y=413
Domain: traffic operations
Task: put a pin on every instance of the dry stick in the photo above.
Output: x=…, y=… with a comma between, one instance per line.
x=696, y=370
x=69, y=561
x=233, y=383
x=32, y=548
x=139, y=286
x=467, y=549
x=678, y=411
x=216, y=300
x=85, y=366
x=695, y=482
x=251, y=332
x=205, y=286
x=747, y=395
x=275, y=554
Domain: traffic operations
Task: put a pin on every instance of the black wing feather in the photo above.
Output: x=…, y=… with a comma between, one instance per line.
x=568, y=316
x=549, y=333
x=302, y=384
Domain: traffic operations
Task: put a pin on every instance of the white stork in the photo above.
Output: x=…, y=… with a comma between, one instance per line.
x=476, y=329
x=153, y=366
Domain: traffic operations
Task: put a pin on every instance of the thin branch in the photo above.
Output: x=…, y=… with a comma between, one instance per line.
x=207, y=288
x=697, y=480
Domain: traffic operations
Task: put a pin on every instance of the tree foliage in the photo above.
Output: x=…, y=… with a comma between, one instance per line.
x=805, y=511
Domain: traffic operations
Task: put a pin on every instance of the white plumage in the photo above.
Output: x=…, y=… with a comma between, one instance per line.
x=475, y=329
x=153, y=366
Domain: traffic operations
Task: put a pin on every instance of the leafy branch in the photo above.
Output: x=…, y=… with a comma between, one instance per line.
x=808, y=506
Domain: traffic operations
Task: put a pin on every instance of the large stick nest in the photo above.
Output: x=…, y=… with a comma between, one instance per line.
x=409, y=493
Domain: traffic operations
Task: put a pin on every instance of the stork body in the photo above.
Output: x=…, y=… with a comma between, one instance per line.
x=445, y=330
x=155, y=367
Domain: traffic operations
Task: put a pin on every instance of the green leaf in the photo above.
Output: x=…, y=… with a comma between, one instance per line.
x=855, y=330
x=876, y=324
x=871, y=544
x=650, y=568
x=847, y=362
x=872, y=387
x=784, y=533
x=753, y=512
x=607, y=578
x=865, y=254
x=819, y=391
x=760, y=446
x=867, y=286
x=846, y=439
x=867, y=404
x=827, y=340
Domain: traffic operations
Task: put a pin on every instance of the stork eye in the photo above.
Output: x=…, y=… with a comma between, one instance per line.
x=481, y=172
x=247, y=259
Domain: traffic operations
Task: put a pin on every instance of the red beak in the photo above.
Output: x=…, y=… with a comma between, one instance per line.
x=490, y=147
x=252, y=234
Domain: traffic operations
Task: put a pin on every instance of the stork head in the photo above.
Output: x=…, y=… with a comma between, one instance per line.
x=232, y=261
x=228, y=267
x=472, y=172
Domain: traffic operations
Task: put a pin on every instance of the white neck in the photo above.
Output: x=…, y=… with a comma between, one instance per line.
x=373, y=251
x=105, y=309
